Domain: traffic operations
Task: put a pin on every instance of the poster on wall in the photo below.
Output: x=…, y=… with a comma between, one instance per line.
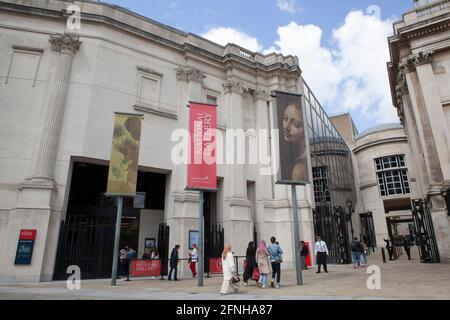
x=123, y=167
x=25, y=247
x=193, y=238
x=202, y=169
x=290, y=122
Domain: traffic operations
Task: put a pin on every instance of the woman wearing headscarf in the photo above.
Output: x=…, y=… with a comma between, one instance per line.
x=262, y=258
x=229, y=268
x=250, y=262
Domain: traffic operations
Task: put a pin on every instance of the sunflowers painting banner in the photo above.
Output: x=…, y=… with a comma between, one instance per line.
x=123, y=167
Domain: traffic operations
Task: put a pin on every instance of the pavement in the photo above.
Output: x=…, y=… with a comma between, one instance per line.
x=400, y=279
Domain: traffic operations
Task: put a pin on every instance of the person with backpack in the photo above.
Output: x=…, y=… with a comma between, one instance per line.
x=276, y=259
x=356, y=253
x=174, y=259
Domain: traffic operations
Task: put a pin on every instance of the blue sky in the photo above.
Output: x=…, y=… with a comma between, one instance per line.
x=341, y=44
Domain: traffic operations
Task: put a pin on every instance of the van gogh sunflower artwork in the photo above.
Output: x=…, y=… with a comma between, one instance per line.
x=123, y=167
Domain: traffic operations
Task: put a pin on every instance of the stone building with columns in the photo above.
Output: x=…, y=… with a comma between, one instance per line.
x=385, y=179
x=419, y=74
x=59, y=90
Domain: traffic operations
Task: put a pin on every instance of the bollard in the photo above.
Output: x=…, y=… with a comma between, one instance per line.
x=383, y=254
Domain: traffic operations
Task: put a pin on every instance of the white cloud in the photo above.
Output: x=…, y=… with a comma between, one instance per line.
x=316, y=61
x=351, y=76
x=223, y=36
x=288, y=5
x=361, y=56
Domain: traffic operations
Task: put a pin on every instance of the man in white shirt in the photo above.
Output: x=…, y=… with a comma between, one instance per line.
x=321, y=251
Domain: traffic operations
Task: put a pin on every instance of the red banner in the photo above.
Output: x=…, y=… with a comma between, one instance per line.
x=145, y=268
x=27, y=235
x=215, y=265
x=202, y=171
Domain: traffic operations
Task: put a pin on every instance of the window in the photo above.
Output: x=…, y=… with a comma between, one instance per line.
x=24, y=65
x=321, y=191
x=392, y=175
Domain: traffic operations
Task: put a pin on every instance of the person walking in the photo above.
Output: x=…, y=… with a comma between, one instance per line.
x=356, y=253
x=407, y=247
x=228, y=269
x=321, y=251
x=123, y=263
x=363, y=256
x=390, y=248
x=193, y=259
x=250, y=262
x=304, y=252
x=262, y=258
x=131, y=255
x=276, y=258
x=174, y=259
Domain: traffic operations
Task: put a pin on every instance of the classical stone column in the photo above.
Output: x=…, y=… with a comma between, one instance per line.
x=183, y=212
x=237, y=217
x=436, y=139
x=435, y=112
x=67, y=45
x=409, y=121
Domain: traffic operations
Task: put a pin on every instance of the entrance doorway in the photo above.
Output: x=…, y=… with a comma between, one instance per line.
x=87, y=232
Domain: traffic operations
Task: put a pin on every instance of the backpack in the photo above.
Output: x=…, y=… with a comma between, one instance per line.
x=356, y=246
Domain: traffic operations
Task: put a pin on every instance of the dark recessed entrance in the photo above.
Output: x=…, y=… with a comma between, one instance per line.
x=87, y=232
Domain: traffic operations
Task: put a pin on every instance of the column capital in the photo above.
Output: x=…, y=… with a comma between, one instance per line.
x=421, y=58
x=188, y=74
x=234, y=85
x=261, y=94
x=65, y=43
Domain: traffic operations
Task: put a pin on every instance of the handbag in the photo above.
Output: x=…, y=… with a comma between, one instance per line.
x=256, y=274
x=235, y=278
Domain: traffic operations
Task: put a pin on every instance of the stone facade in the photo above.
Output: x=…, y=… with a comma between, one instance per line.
x=59, y=91
x=420, y=86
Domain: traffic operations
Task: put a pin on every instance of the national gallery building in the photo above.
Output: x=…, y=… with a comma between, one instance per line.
x=59, y=91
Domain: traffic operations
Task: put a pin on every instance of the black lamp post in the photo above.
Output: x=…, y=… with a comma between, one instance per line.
x=350, y=205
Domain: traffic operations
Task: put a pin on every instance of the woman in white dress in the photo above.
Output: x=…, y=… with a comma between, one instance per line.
x=229, y=268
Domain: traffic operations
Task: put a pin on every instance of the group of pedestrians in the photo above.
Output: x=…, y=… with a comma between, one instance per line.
x=359, y=253
x=262, y=261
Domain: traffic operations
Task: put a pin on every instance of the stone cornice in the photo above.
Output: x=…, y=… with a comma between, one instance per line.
x=261, y=94
x=238, y=202
x=188, y=74
x=421, y=58
x=65, y=43
x=265, y=66
x=380, y=142
x=235, y=86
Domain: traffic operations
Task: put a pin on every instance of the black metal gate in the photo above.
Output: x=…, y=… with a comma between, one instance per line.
x=332, y=227
x=214, y=243
x=87, y=242
x=425, y=236
x=368, y=230
x=163, y=247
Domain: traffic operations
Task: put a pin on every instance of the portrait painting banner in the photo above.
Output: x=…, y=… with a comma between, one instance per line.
x=292, y=155
x=123, y=166
x=202, y=169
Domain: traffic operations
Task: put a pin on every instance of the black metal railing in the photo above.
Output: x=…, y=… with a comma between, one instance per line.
x=425, y=237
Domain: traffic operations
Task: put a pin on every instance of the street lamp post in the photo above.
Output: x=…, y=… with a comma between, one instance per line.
x=350, y=205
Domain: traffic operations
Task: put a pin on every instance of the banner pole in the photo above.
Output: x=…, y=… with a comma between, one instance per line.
x=298, y=266
x=200, y=247
x=117, y=240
